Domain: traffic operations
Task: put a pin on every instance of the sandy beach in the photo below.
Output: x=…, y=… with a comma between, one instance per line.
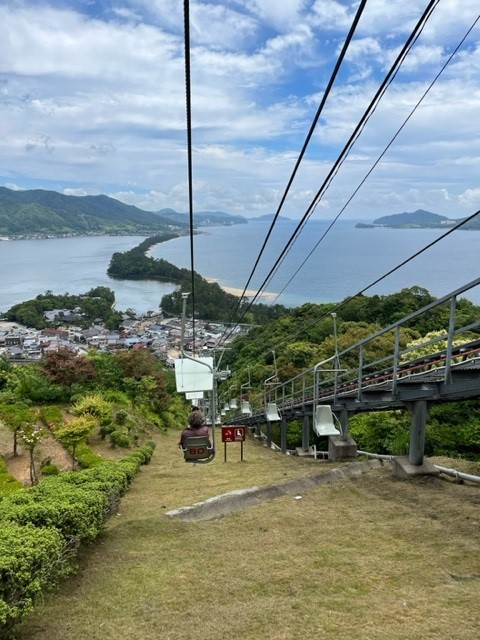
x=265, y=295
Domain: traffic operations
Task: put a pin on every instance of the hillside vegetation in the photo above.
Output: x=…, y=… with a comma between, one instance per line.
x=41, y=212
x=96, y=304
x=303, y=337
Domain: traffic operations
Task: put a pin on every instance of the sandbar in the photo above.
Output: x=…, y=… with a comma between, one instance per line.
x=266, y=295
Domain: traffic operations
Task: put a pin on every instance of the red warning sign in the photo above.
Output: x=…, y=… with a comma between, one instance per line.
x=231, y=433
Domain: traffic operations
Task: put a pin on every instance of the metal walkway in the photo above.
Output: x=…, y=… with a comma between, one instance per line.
x=355, y=379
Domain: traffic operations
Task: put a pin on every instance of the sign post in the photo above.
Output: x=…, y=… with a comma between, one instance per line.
x=232, y=433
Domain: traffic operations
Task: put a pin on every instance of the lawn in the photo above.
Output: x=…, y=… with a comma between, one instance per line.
x=362, y=557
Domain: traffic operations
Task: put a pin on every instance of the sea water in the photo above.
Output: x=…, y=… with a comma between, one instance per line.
x=344, y=260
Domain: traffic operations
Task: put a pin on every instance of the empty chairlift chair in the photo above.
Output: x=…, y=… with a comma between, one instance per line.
x=323, y=423
x=246, y=408
x=271, y=412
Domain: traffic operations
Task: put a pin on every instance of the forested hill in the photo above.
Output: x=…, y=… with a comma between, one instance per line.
x=40, y=212
x=212, y=302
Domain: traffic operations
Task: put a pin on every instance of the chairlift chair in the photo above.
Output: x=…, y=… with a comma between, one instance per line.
x=198, y=449
x=233, y=403
x=271, y=412
x=323, y=424
x=246, y=408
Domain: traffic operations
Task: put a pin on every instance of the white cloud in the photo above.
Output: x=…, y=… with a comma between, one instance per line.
x=77, y=192
x=97, y=105
x=14, y=187
x=470, y=198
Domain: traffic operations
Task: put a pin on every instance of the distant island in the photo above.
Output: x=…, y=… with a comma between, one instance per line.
x=419, y=219
x=203, y=218
x=39, y=213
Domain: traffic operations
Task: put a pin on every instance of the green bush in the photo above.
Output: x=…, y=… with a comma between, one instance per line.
x=95, y=405
x=8, y=484
x=381, y=432
x=51, y=416
x=116, y=397
x=75, y=512
x=87, y=458
x=41, y=527
x=120, y=439
x=31, y=559
x=49, y=469
x=294, y=433
x=121, y=417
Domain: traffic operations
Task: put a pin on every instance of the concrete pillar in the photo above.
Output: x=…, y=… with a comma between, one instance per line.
x=415, y=464
x=306, y=434
x=344, y=422
x=283, y=435
x=341, y=448
x=417, y=434
x=269, y=433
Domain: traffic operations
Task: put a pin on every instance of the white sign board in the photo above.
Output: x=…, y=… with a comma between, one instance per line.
x=192, y=375
x=194, y=395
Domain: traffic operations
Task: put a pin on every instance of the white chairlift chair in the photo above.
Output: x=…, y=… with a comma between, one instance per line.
x=271, y=412
x=323, y=423
x=246, y=408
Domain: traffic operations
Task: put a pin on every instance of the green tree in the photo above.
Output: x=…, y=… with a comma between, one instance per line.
x=75, y=432
x=16, y=417
x=31, y=434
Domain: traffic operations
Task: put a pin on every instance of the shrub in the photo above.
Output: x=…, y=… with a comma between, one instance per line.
x=76, y=513
x=120, y=439
x=8, y=484
x=51, y=416
x=75, y=432
x=49, y=469
x=381, y=432
x=31, y=559
x=87, y=458
x=116, y=397
x=121, y=417
x=95, y=405
x=41, y=527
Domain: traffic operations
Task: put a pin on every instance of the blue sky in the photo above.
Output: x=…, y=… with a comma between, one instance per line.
x=92, y=100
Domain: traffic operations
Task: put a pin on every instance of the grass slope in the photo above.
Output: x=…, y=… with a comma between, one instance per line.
x=362, y=558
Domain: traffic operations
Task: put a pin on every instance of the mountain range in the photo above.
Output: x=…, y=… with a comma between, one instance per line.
x=40, y=213
x=203, y=218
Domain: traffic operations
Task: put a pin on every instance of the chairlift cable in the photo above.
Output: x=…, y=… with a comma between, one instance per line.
x=348, y=146
x=186, y=13
x=356, y=134
x=304, y=148
x=370, y=171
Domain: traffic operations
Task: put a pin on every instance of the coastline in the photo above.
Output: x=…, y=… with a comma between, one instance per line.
x=235, y=291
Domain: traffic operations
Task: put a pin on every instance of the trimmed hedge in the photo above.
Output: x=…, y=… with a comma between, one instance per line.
x=31, y=559
x=41, y=527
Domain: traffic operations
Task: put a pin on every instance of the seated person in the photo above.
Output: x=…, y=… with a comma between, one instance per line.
x=196, y=427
